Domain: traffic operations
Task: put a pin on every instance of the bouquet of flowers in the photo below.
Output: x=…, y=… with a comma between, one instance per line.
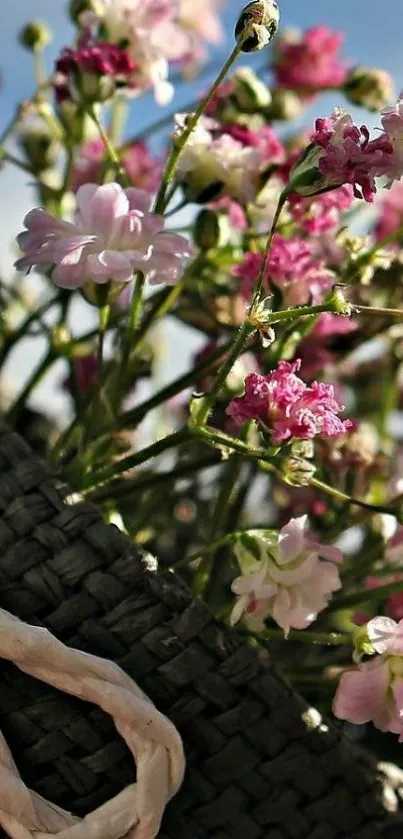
x=267, y=474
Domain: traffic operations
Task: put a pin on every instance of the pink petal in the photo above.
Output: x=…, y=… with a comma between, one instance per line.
x=386, y=635
x=109, y=265
x=102, y=207
x=291, y=540
x=138, y=200
x=362, y=693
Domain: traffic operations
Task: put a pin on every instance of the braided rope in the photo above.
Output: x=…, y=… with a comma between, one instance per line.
x=137, y=811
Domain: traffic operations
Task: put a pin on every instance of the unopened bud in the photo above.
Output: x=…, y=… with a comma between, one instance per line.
x=337, y=302
x=368, y=87
x=285, y=105
x=250, y=93
x=79, y=7
x=211, y=230
x=35, y=36
x=257, y=25
x=39, y=147
x=297, y=471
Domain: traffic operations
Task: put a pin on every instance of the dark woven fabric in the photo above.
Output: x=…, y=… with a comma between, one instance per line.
x=259, y=766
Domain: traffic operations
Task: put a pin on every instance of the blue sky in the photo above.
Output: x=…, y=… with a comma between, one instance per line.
x=373, y=30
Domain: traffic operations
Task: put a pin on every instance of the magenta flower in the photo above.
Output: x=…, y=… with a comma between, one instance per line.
x=266, y=140
x=287, y=576
x=287, y=408
x=347, y=155
x=143, y=169
x=85, y=373
x=113, y=235
x=321, y=213
x=292, y=267
x=310, y=63
x=93, y=70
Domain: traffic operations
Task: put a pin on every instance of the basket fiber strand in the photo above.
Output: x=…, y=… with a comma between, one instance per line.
x=260, y=763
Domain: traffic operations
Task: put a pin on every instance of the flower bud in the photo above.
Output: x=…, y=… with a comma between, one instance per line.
x=35, y=36
x=77, y=8
x=249, y=92
x=368, y=87
x=257, y=25
x=285, y=105
x=211, y=230
x=297, y=471
x=39, y=147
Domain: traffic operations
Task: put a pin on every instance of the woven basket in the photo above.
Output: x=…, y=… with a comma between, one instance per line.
x=260, y=765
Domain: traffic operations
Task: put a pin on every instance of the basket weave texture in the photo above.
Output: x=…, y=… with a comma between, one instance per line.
x=259, y=763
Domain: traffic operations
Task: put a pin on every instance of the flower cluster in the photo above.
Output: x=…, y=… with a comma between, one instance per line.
x=374, y=689
x=113, y=235
x=341, y=153
x=309, y=62
x=156, y=33
x=287, y=576
x=323, y=212
x=225, y=160
x=292, y=267
x=287, y=408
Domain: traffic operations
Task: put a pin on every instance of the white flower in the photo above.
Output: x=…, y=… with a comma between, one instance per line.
x=284, y=576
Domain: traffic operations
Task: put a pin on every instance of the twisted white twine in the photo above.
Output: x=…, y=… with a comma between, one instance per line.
x=152, y=739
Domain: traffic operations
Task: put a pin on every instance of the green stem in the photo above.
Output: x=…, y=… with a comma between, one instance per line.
x=348, y=499
x=9, y=158
x=370, y=595
x=204, y=579
x=205, y=552
x=334, y=639
x=133, y=417
x=178, y=146
x=120, y=488
x=37, y=375
x=236, y=350
x=374, y=310
x=125, y=464
x=13, y=338
x=112, y=153
x=266, y=254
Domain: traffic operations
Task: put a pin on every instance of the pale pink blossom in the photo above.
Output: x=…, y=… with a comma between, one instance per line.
x=292, y=267
x=201, y=21
x=287, y=576
x=309, y=62
x=286, y=407
x=265, y=139
x=323, y=212
x=113, y=235
x=390, y=210
x=213, y=163
x=143, y=169
x=392, y=121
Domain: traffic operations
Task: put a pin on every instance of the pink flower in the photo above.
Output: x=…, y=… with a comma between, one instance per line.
x=391, y=212
x=310, y=63
x=157, y=33
x=265, y=140
x=287, y=576
x=83, y=71
x=143, y=169
x=346, y=155
x=292, y=267
x=113, y=235
x=285, y=406
x=323, y=212
x=213, y=164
